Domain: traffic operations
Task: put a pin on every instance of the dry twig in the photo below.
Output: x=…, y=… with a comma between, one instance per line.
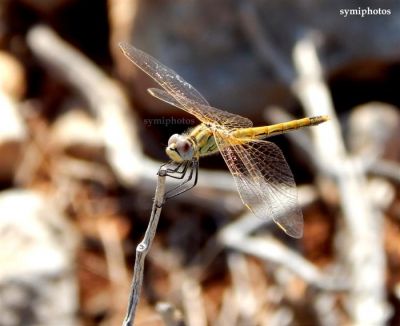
x=362, y=240
x=116, y=266
x=104, y=96
x=228, y=314
x=237, y=236
x=267, y=52
x=143, y=248
x=387, y=169
x=193, y=302
x=246, y=301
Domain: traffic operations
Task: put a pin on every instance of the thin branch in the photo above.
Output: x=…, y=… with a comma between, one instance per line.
x=387, y=169
x=117, y=270
x=12, y=135
x=267, y=52
x=361, y=242
x=193, y=302
x=143, y=248
x=237, y=236
x=105, y=97
x=246, y=301
x=325, y=307
x=228, y=314
x=121, y=18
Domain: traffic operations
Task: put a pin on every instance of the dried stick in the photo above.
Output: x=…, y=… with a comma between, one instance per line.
x=105, y=97
x=237, y=236
x=117, y=269
x=267, y=52
x=143, y=248
x=12, y=135
x=362, y=238
x=121, y=18
x=246, y=300
x=193, y=302
x=229, y=312
x=387, y=169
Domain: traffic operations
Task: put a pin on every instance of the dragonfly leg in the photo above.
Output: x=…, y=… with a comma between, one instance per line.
x=187, y=184
x=175, y=170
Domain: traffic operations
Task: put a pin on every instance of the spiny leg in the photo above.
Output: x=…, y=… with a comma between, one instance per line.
x=171, y=169
x=171, y=166
x=179, y=174
x=166, y=170
x=185, y=185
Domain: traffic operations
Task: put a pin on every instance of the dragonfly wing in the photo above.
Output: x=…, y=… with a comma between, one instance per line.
x=166, y=97
x=264, y=181
x=205, y=113
x=180, y=91
x=164, y=76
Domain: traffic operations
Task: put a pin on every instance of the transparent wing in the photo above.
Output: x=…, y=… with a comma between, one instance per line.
x=183, y=93
x=264, y=181
x=204, y=113
x=166, y=77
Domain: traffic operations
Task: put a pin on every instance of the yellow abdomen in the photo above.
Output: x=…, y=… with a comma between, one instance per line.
x=279, y=128
x=205, y=141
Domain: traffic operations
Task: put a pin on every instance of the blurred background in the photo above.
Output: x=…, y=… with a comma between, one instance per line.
x=81, y=142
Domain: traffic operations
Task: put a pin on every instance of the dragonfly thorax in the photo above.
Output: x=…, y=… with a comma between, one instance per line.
x=180, y=148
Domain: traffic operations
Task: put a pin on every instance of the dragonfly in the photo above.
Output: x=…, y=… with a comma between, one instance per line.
x=263, y=178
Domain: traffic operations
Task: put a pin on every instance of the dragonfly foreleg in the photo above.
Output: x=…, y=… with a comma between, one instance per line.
x=187, y=184
x=175, y=170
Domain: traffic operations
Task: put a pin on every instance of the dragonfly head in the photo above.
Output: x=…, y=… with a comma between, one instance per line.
x=180, y=148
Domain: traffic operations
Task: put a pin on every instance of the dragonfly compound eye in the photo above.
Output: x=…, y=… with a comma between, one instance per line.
x=173, y=139
x=185, y=149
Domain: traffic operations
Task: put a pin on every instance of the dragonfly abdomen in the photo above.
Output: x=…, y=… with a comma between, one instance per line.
x=279, y=128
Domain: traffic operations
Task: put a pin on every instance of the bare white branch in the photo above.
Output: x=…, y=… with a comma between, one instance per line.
x=361, y=242
x=237, y=236
x=105, y=97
